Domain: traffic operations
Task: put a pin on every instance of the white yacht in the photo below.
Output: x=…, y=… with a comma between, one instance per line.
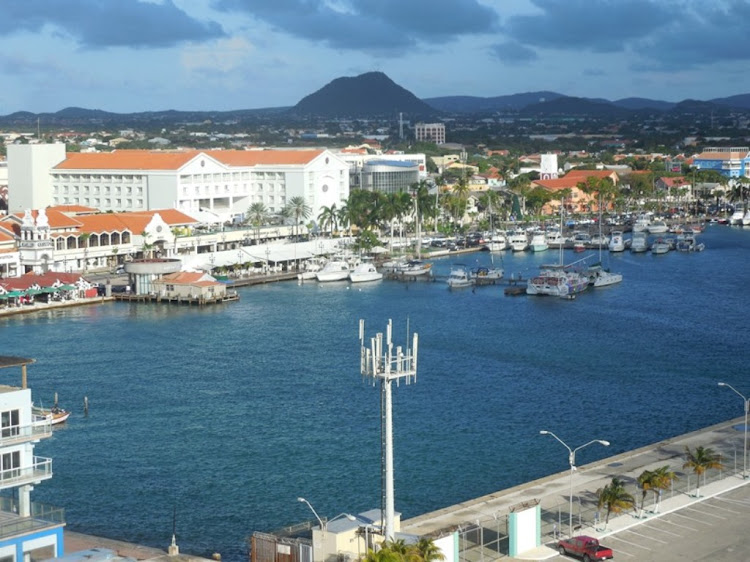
x=415, y=268
x=658, y=227
x=557, y=281
x=616, y=241
x=641, y=223
x=519, y=241
x=600, y=277
x=555, y=238
x=334, y=270
x=539, y=241
x=496, y=242
x=639, y=243
x=660, y=246
x=365, y=272
x=737, y=216
x=459, y=277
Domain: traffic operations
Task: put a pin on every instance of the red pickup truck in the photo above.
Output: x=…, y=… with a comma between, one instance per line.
x=587, y=548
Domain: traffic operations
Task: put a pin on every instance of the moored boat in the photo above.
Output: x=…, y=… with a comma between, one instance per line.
x=539, y=241
x=365, y=272
x=688, y=243
x=334, y=270
x=459, y=277
x=519, y=240
x=616, y=241
x=557, y=281
x=658, y=227
x=660, y=246
x=53, y=416
x=415, y=267
x=486, y=275
x=639, y=243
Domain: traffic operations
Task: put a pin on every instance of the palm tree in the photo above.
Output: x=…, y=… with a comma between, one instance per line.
x=614, y=497
x=343, y=217
x=297, y=207
x=329, y=217
x=699, y=461
x=428, y=551
x=257, y=215
x=147, y=246
x=84, y=238
x=646, y=481
x=663, y=478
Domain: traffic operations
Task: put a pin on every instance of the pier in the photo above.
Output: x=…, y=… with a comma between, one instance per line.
x=198, y=301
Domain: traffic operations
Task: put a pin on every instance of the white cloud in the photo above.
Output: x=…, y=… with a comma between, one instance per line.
x=217, y=57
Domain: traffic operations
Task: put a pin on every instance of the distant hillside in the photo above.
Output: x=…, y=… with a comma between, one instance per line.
x=369, y=94
x=698, y=107
x=739, y=101
x=575, y=107
x=472, y=104
x=643, y=103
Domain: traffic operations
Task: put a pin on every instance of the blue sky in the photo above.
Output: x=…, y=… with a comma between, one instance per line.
x=142, y=55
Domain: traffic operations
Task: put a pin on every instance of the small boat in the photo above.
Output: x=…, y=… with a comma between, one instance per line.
x=53, y=416
x=555, y=238
x=309, y=270
x=415, y=267
x=519, y=241
x=639, y=243
x=600, y=277
x=334, y=270
x=660, y=246
x=539, y=242
x=737, y=217
x=497, y=242
x=459, y=277
x=581, y=241
x=365, y=272
x=641, y=223
x=658, y=227
x=616, y=241
x=688, y=243
x=486, y=275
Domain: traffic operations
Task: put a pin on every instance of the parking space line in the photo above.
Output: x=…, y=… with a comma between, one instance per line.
x=722, y=508
x=744, y=503
x=678, y=525
x=690, y=518
x=646, y=536
x=665, y=531
x=705, y=513
x=628, y=542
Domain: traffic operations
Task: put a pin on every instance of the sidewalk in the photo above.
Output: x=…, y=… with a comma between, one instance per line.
x=625, y=521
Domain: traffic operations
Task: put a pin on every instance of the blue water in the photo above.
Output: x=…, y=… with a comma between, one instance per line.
x=229, y=413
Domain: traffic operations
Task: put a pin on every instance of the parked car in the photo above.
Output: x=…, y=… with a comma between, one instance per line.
x=586, y=548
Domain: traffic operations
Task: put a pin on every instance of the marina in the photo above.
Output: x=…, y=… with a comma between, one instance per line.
x=227, y=414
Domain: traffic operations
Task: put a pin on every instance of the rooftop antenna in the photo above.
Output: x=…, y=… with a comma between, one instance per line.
x=383, y=363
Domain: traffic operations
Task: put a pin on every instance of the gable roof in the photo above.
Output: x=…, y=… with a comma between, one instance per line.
x=583, y=174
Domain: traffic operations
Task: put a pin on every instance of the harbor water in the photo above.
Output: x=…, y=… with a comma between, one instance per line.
x=227, y=414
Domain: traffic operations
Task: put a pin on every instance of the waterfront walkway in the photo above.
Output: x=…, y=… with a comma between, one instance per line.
x=553, y=492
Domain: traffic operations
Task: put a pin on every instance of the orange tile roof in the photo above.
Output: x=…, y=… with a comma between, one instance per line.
x=74, y=209
x=558, y=184
x=174, y=160
x=576, y=173
x=263, y=157
x=722, y=155
x=190, y=278
x=56, y=218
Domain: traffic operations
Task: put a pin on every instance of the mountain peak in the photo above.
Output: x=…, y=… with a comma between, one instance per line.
x=372, y=93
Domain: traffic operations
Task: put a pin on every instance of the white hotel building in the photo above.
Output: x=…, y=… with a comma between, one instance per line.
x=223, y=182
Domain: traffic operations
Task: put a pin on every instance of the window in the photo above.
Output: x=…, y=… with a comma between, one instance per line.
x=9, y=422
x=10, y=465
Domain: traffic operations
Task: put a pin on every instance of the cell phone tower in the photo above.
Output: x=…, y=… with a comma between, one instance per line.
x=381, y=362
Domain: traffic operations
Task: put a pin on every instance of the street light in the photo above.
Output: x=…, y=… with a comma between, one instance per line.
x=746, y=402
x=322, y=525
x=572, y=461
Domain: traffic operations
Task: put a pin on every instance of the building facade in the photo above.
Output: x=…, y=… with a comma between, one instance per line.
x=222, y=182
x=732, y=162
x=430, y=132
x=387, y=176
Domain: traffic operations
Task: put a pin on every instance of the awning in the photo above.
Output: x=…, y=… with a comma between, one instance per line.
x=50, y=289
x=67, y=287
x=16, y=293
x=33, y=292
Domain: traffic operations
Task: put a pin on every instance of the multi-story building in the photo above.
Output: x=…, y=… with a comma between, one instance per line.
x=223, y=182
x=732, y=162
x=385, y=172
x=430, y=132
x=29, y=531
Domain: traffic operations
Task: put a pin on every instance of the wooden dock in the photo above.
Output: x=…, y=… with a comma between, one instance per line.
x=153, y=298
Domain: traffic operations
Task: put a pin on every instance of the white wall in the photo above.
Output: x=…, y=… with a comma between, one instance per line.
x=29, y=179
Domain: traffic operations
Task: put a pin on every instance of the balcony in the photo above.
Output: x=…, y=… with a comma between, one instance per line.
x=41, y=469
x=14, y=435
x=42, y=517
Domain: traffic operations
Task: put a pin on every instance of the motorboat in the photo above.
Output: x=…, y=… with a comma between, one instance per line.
x=415, y=268
x=688, y=243
x=539, y=241
x=581, y=240
x=746, y=218
x=598, y=240
x=519, y=241
x=392, y=266
x=616, y=241
x=658, y=227
x=334, y=270
x=639, y=243
x=365, y=272
x=53, y=416
x=557, y=281
x=496, y=242
x=310, y=270
x=737, y=217
x=661, y=246
x=486, y=275
x=641, y=223
x=459, y=277
x=555, y=238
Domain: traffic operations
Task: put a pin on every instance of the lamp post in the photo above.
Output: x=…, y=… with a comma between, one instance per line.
x=322, y=525
x=572, y=462
x=746, y=402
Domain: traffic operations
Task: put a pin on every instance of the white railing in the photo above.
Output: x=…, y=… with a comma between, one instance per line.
x=40, y=469
x=39, y=429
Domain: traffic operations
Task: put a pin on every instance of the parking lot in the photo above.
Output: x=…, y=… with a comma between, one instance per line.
x=712, y=530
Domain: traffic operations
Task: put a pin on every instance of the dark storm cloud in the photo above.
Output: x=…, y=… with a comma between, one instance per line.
x=601, y=26
x=513, y=53
x=371, y=25
x=716, y=33
x=97, y=23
